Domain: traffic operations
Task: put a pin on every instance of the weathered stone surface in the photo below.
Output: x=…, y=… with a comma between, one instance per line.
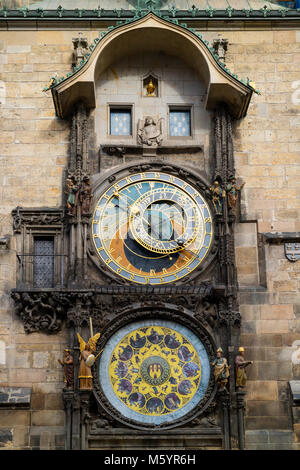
x=21, y=437
x=40, y=360
x=14, y=418
x=267, y=422
x=266, y=408
x=256, y=437
x=262, y=390
x=48, y=418
x=38, y=401
x=53, y=401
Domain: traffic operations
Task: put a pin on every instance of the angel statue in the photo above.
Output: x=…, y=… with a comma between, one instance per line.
x=87, y=359
x=149, y=131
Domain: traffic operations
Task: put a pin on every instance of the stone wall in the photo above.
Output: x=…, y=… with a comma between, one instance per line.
x=267, y=144
x=33, y=155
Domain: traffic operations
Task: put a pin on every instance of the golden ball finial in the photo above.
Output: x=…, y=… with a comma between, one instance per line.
x=150, y=88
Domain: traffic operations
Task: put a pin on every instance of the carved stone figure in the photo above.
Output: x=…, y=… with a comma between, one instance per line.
x=86, y=350
x=220, y=46
x=68, y=365
x=232, y=190
x=221, y=370
x=80, y=48
x=149, y=131
x=85, y=196
x=218, y=196
x=240, y=366
x=98, y=425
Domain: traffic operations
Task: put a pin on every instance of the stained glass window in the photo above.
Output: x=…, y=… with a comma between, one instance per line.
x=120, y=121
x=43, y=262
x=180, y=122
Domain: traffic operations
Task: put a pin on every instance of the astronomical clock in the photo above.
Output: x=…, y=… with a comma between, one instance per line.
x=152, y=228
x=140, y=255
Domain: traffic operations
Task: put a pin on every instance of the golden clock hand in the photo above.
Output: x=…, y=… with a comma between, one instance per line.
x=129, y=206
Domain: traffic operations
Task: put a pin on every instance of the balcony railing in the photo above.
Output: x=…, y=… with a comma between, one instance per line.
x=41, y=271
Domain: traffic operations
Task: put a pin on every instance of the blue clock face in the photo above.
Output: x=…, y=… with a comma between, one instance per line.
x=152, y=228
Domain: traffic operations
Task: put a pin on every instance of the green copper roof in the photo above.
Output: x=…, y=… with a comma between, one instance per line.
x=139, y=14
x=90, y=5
x=162, y=4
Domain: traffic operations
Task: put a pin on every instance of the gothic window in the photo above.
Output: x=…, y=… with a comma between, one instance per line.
x=40, y=247
x=120, y=121
x=43, y=262
x=180, y=122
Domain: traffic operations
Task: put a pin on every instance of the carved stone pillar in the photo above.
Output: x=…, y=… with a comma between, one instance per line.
x=68, y=399
x=229, y=316
x=75, y=438
x=226, y=404
x=84, y=416
x=240, y=403
x=78, y=196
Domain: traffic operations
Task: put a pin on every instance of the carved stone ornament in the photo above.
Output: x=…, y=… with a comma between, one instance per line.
x=34, y=216
x=150, y=131
x=220, y=46
x=80, y=49
x=47, y=310
x=42, y=311
x=4, y=242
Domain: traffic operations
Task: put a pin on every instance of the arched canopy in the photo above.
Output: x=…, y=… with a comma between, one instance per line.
x=152, y=33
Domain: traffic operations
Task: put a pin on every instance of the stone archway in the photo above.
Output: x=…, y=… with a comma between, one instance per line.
x=152, y=33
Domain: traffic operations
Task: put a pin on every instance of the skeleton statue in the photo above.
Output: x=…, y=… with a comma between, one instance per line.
x=149, y=131
x=233, y=189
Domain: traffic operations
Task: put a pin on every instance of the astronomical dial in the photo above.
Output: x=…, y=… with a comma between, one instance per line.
x=154, y=371
x=152, y=228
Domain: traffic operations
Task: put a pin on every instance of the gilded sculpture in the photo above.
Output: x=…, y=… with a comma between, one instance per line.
x=87, y=359
x=150, y=88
